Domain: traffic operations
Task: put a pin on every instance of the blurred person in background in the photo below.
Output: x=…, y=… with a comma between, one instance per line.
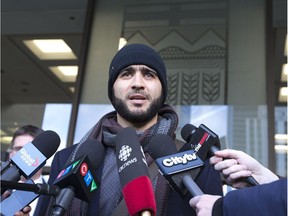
x=21, y=137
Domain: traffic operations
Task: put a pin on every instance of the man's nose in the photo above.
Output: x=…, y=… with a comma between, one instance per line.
x=138, y=80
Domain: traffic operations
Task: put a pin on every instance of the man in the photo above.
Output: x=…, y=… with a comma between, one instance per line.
x=137, y=88
x=269, y=198
x=21, y=137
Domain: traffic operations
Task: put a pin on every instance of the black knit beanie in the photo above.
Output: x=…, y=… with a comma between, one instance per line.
x=137, y=54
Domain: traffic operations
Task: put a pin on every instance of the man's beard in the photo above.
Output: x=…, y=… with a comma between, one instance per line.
x=137, y=116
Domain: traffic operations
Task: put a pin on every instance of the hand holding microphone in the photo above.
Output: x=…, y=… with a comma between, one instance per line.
x=16, y=210
x=265, y=199
x=203, y=204
x=240, y=165
x=206, y=143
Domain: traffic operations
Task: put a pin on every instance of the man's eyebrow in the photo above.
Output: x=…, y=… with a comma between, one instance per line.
x=126, y=68
x=150, y=70
x=144, y=69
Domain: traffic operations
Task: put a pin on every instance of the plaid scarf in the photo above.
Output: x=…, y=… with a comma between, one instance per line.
x=105, y=131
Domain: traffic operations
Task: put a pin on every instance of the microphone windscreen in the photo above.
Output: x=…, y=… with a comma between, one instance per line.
x=175, y=167
x=139, y=196
x=130, y=158
x=202, y=139
x=47, y=142
x=161, y=145
x=94, y=150
x=133, y=172
x=187, y=131
x=80, y=173
x=34, y=154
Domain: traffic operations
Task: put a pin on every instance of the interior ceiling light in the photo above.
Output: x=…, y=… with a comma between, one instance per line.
x=281, y=137
x=68, y=70
x=283, y=94
x=52, y=46
x=2, y=133
x=65, y=73
x=284, y=73
x=49, y=49
x=6, y=139
x=281, y=149
x=122, y=42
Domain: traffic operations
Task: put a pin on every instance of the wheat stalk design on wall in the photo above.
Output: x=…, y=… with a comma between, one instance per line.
x=173, y=80
x=190, y=89
x=211, y=87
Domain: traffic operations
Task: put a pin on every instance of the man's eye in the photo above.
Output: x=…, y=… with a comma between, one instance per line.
x=16, y=149
x=150, y=74
x=125, y=74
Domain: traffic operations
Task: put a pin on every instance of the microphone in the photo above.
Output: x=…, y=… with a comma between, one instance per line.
x=134, y=176
x=38, y=188
x=27, y=161
x=177, y=168
x=32, y=157
x=4, y=166
x=206, y=143
x=78, y=179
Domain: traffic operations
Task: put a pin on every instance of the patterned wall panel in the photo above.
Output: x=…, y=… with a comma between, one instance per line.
x=192, y=43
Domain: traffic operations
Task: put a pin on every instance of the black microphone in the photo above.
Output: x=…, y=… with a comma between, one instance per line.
x=38, y=188
x=177, y=168
x=136, y=185
x=4, y=166
x=32, y=157
x=78, y=179
x=206, y=143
